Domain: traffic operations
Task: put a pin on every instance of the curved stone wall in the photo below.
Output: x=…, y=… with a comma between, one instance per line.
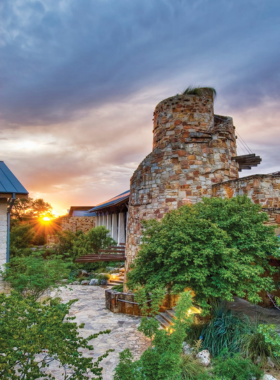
x=192, y=150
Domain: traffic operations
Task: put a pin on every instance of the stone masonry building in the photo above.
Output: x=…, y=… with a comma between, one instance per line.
x=194, y=156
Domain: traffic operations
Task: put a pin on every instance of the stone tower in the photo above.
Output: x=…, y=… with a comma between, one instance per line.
x=192, y=150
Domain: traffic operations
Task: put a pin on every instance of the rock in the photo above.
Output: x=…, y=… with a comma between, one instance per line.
x=84, y=272
x=93, y=281
x=187, y=349
x=204, y=358
x=84, y=282
x=269, y=377
x=75, y=283
x=103, y=282
x=270, y=362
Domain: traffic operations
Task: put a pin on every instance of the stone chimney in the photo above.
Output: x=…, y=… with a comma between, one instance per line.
x=192, y=150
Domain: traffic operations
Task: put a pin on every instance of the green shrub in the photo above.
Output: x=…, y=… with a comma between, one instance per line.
x=21, y=237
x=261, y=343
x=234, y=367
x=34, y=276
x=198, y=90
x=191, y=368
x=224, y=331
x=95, y=239
x=194, y=332
x=218, y=248
x=118, y=288
x=30, y=330
x=162, y=360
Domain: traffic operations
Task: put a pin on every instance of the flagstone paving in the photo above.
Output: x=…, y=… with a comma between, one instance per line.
x=91, y=310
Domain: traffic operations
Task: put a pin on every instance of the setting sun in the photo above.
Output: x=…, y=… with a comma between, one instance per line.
x=46, y=219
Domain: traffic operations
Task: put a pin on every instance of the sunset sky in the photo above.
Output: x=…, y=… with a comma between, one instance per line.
x=80, y=79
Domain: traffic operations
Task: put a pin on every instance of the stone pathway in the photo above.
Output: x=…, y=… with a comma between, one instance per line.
x=90, y=309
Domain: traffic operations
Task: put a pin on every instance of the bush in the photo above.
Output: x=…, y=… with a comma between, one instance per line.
x=94, y=240
x=21, y=237
x=34, y=276
x=118, y=288
x=191, y=368
x=66, y=242
x=162, y=360
x=218, y=248
x=32, y=335
x=224, y=331
x=229, y=367
x=261, y=343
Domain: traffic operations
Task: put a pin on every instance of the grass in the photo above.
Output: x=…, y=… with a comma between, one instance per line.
x=198, y=90
x=254, y=347
x=224, y=331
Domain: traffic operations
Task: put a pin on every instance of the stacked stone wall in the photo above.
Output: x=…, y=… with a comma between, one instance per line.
x=262, y=189
x=192, y=150
x=73, y=224
x=78, y=223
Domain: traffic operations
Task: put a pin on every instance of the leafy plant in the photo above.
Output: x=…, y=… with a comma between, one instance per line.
x=191, y=368
x=224, y=331
x=34, y=276
x=94, y=240
x=33, y=335
x=229, y=367
x=194, y=332
x=118, y=288
x=218, y=248
x=161, y=361
x=257, y=345
x=271, y=337
x=198, y=90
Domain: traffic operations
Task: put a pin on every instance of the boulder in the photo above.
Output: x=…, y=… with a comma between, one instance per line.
x=75, y=283
x=270, y=362
x=103, y=282
x=187, y=349
x=93, y=281
x=84, y=273
x=269, y=377
x=84, y=282
x=204, y=357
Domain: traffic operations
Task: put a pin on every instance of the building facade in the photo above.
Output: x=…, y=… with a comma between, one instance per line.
x=113, y=215
x=194, y=156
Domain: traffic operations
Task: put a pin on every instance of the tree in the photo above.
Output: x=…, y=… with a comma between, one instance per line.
x=33, y=276
x=218, y=248
x=30, y=209
x=33, y=335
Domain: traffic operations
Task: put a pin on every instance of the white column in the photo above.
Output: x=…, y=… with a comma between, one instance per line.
x=3, y=238
x=121, y=231
x=104, y=222
x=115, y=227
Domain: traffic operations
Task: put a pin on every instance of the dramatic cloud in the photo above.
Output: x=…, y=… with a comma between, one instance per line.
x=80, y=79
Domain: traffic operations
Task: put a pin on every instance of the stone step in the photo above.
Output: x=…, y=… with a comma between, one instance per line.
x=167, y=318
x=170, y=312
x=115, y=282
x=162, y=321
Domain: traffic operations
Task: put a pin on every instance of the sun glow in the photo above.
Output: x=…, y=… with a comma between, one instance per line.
x=46, y=219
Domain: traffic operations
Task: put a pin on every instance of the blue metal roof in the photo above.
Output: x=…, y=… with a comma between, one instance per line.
x=83, y=213
x=112, y=202
x=8, y=182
